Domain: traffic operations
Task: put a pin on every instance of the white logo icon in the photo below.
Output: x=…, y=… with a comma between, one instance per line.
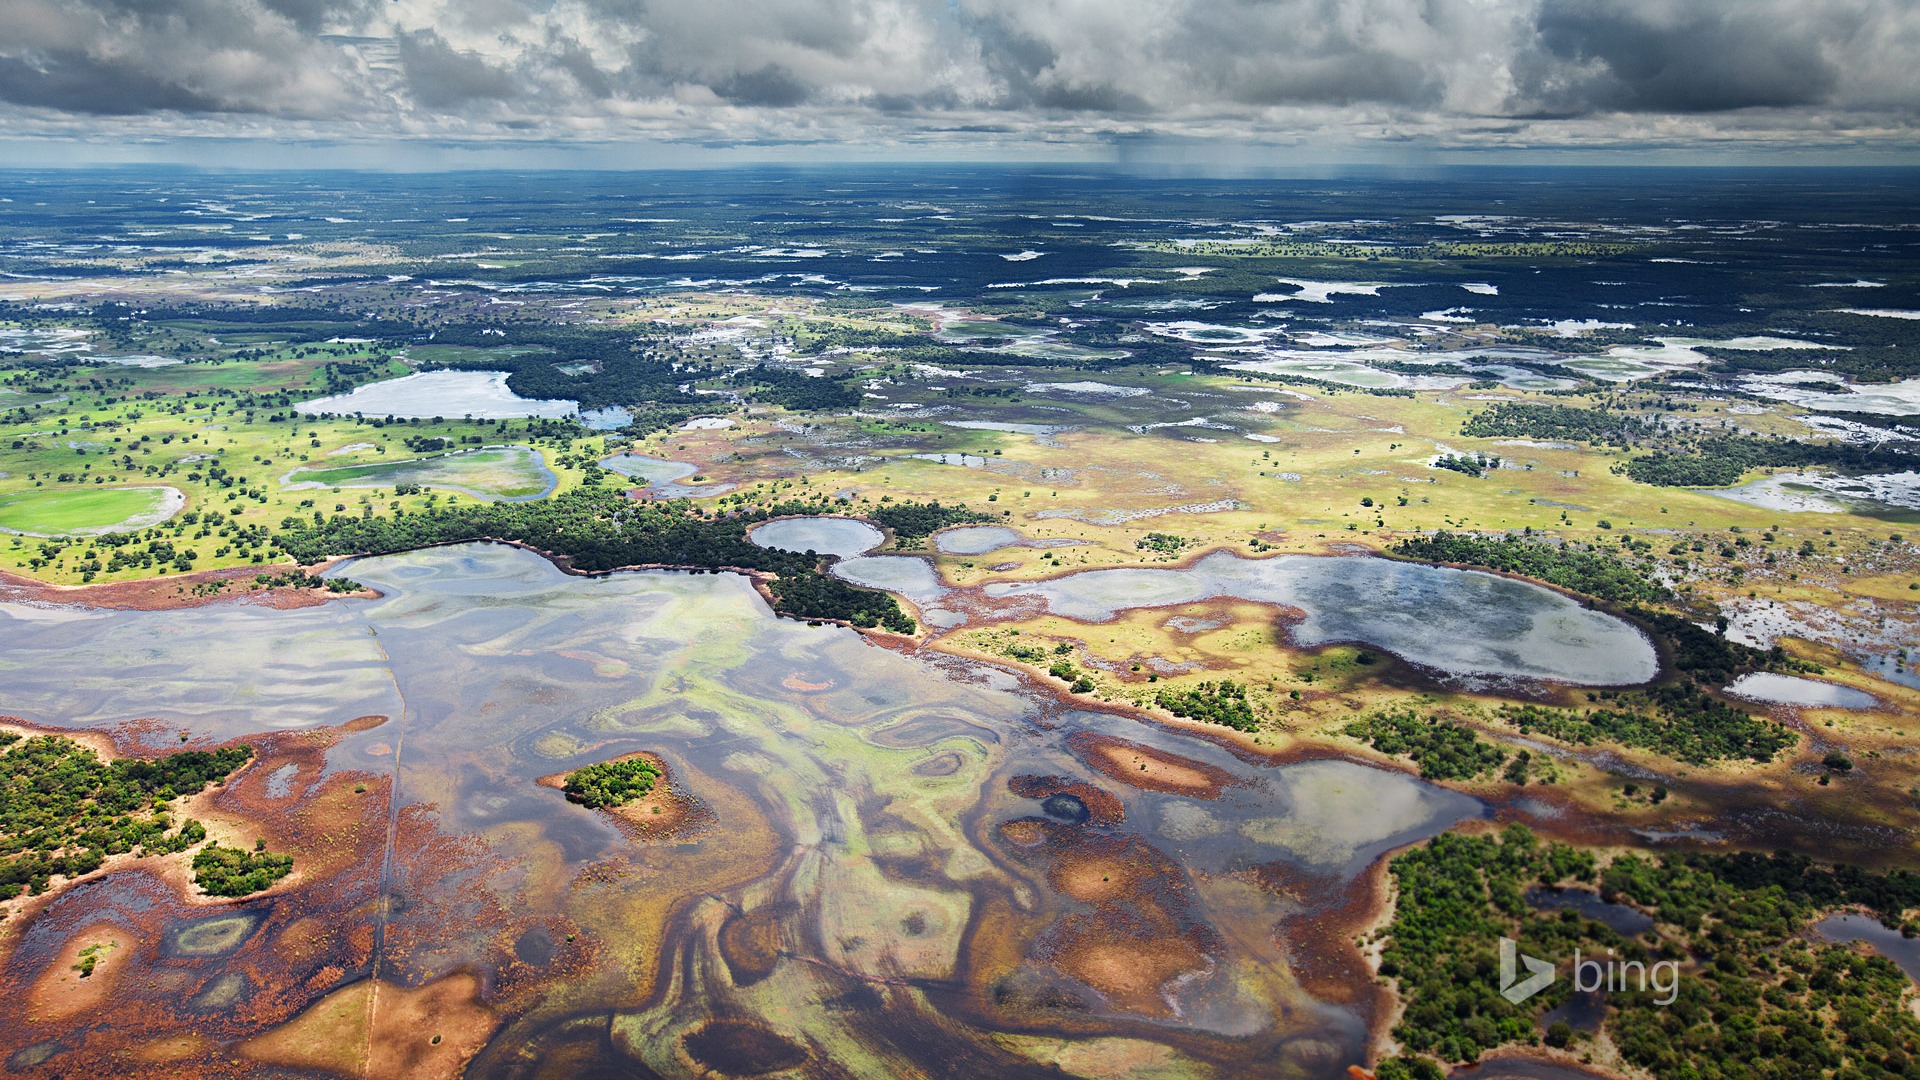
x=1512, y=987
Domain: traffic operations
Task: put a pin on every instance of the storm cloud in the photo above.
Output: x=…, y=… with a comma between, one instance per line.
x=1444, y=72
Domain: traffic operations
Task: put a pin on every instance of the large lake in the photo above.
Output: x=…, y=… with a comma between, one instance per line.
x=866, y=819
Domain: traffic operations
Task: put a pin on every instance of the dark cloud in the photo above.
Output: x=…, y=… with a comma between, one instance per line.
x=74, y=82
x=442, y=77
x=577, y=62
x=771, y=86
x=1625, y=56
x=313, y=15
x=1096, y=98
x=120, y=57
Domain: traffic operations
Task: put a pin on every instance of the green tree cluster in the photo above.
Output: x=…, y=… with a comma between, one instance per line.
x=598, y=530
x=611, y=783
x=1588, y=570
x=1756, y=995
x=917, y=520
x=1723, y=460
x=1677, y=720
x=1527, y=420
x=1443, y=749
x=63, y=810
x=1224, y=702
x=225, y=871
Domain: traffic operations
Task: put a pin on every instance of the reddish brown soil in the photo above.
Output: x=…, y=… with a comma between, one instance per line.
x=1148, y=768
x=1141, y=936
x=1102, y=807
x=376, y=1029
x=167, y=593
x=314, y=938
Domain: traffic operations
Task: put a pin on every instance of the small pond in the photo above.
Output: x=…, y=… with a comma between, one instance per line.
x=976, y=539
x=1793, y=690
x=662, y=477
x=911, y=577
x=843, y=537
x=1623, y=919
x=1904, y=951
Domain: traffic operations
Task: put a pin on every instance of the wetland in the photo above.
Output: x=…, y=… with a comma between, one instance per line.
x=1092, y=625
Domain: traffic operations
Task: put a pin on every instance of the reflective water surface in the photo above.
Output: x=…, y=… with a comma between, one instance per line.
x=883, y=867
x=1459, y=622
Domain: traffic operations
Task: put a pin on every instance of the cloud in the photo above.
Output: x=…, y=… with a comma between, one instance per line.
x=120, y=57
x=771, y=85
x=726, y=72
x=444, y=78
x=1643, y=57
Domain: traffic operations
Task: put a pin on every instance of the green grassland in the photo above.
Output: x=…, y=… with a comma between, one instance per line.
x=75, y=510
x=224, y=448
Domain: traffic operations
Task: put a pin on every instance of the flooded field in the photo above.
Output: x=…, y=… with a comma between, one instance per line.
x=505, y=473
x=976, y=539
x=888, y=859
x=661, y=477
x=1890, y=494
x=82, y=512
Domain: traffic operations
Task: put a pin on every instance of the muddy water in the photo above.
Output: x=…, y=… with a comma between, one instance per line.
x=870, y=896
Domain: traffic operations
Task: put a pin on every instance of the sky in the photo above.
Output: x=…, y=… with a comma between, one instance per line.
x=636, y=83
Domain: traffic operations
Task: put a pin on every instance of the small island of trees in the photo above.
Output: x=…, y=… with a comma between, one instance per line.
x=611, y=783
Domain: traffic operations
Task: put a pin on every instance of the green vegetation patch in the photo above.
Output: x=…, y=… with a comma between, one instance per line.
x=1708, y=656
x=1583, y=569
x=1526, y=420
x=917, y=521
x=1162, y=543
x=225, y=871
x=1475, y=466
x=72, y=511
x=1677, y=720
x=1719, y=462
x=1224, y=702
x=1747, y=993
x=1444, y=749
x=63, y=810
x=611, y=783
